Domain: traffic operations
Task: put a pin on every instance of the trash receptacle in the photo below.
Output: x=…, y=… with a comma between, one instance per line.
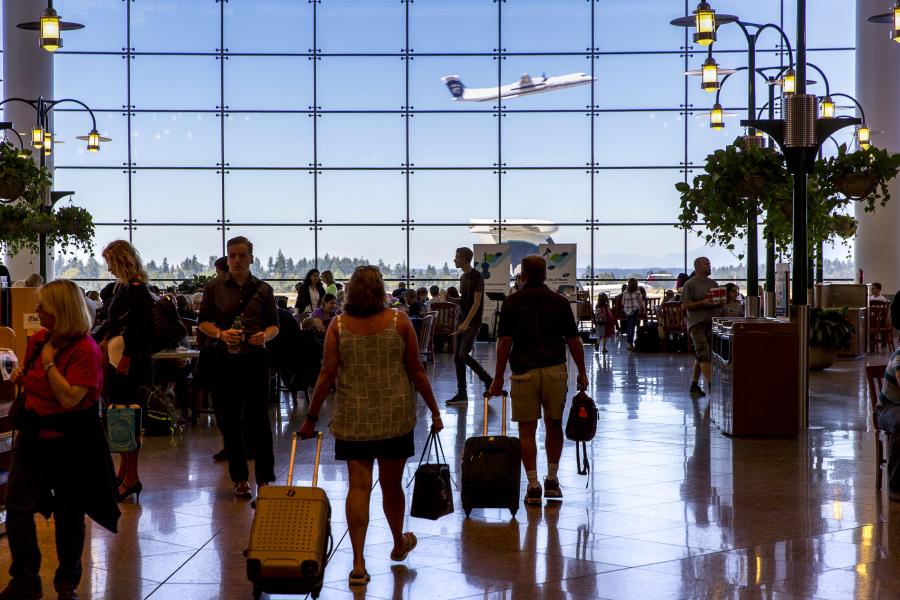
x=755, y=378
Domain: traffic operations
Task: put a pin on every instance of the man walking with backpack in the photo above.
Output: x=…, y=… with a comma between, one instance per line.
x=239, y=311
x=536, y=325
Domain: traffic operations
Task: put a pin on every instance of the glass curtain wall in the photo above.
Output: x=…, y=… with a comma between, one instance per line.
x=323, y=130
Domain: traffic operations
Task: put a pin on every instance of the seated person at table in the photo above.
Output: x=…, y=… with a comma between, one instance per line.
x=327, y=311
x=669, y=296
x=185, y=310
x=733, y=306
x=876, y=293
x=452, y=292
x=422, y=298
x=435, y=292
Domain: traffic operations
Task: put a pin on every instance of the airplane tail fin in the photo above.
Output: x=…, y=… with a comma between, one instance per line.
x=456, y=87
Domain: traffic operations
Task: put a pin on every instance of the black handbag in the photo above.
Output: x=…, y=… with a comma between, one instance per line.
x=581, y=428
x=432, y=493
x=17, y=414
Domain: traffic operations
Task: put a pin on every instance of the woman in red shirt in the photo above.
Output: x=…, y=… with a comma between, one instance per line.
x=61, y=461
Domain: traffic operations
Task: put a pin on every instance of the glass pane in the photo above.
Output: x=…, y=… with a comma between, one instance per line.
x=641, y=81
x=361, y=140
x=98, y=81
x=554, y=68
x=381, y=245
x=437, y=245
x=103, y=192
x=635, y=196
x=163, y=248
x=639, y=25
x=621, y=138
x=827, y=20
x=279, y=253
x=82, y=265
x=626, y=251
x=360, y=26
x=188, y=26
x=438, y=140
x=453, y=196
x=268, y=140
x=68, y=125
x=555, y=196
x=288, y=83
x=458, y=26
x=539, y=26
x=104, y=23
x=175, y=82
x=362, y=197
x=546, y=140
x=181, y=196
x=272, y=26
x=428, y=92
x=268, y=196
x=360, y=83
x=175, y=139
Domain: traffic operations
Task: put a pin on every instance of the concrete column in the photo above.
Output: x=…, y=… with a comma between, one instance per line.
x=878, y=90
x=27, y=73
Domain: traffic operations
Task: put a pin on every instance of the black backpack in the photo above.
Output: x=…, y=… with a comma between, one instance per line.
x=582, y=427
x=168, y=330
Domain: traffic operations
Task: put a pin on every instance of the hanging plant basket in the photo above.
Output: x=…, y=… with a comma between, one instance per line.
x=11, y=190
x=752, y=186
x=857, y=185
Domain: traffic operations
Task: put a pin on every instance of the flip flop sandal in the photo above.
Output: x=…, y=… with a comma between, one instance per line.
x=411, y=542
x=356, y=579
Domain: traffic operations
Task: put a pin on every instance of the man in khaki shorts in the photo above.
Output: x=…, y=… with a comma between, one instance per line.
x=536, y=325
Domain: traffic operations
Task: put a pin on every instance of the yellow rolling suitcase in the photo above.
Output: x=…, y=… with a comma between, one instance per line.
x=291, y=535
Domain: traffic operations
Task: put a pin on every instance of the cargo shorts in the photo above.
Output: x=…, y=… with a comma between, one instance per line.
x=544, y=387
x=700, y=335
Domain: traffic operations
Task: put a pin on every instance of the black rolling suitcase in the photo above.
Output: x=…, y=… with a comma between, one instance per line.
x=291, y=536
x=492, y=468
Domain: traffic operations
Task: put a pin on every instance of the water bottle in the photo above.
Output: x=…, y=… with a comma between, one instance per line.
x=238, y=326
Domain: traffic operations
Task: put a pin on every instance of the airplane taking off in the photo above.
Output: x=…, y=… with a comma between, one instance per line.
x=526, y=85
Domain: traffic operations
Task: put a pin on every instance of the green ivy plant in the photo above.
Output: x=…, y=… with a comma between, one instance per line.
x=75, y=228
x=876, y=165
x=737, y=179
x=20, y=177
x=829, y=328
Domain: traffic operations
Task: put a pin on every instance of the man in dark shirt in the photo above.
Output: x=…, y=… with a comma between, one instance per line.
x=468, y=322
x=536, y=325
x=241, y=383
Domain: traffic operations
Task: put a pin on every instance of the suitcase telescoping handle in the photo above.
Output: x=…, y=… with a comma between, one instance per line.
x=487, y=397
x=315, y=477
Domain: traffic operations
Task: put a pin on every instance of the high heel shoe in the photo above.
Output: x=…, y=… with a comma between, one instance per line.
x=135, y=488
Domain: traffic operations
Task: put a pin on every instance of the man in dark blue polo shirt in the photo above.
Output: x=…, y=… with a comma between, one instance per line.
x=536, y=325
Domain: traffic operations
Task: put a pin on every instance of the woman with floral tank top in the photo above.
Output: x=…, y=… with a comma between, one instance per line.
x=372, y=361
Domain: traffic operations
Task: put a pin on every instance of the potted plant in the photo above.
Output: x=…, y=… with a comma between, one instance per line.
x=19, y=176
x=862, y=175
x=829, y=331
x=74, y=227
x=736, y=180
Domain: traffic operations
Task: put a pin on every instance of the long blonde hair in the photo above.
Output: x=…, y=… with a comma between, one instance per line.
x=124, y=261
x=65, y=301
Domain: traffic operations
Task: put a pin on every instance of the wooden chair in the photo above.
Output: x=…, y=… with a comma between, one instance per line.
x=426, y=333
x=671, y=319
x=881, y=331
x=445, y=320
x=652, y=315
x=874, y=377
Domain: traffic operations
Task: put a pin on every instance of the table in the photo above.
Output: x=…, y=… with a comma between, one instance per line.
x=175, y=354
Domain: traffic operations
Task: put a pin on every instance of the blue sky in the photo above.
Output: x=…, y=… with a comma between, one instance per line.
x=645, y=132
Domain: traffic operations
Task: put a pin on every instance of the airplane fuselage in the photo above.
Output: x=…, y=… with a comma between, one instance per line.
x=525, y=86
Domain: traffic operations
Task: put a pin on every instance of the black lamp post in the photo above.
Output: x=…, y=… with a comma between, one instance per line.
x=751, y=32
x=41, y=140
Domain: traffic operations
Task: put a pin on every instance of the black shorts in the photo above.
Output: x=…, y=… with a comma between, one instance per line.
x=396, y=447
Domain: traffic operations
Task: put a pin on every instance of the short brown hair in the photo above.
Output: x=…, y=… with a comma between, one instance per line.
x=534, y=269
x=466, y=253
x=124, y=261
x=240, y=240
x=365, y=292
x=65, y=301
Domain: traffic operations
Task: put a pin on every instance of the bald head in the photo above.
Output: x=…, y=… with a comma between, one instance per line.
x=702, y=266
x=534, y=269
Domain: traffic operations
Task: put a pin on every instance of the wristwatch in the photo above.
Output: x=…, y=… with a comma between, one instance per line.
x=48, y=366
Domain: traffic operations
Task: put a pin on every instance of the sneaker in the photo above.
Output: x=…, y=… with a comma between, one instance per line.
x=533, y=496
x=242, y=490
x=17, y=590
x=551, y=489
x=696, y=390
x=457, y=400
x=66, y=591
x=220, y=456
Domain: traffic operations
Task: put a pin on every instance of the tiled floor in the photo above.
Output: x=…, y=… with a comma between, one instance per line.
x=672, y=509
